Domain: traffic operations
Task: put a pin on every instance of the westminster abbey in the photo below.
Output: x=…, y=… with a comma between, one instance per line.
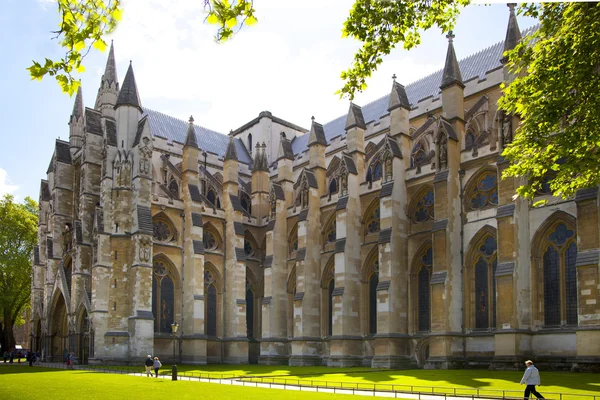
x=384, y=238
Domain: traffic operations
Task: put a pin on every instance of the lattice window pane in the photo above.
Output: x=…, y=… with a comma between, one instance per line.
x=424, y=300
x=373, y=281
x=211, y=311
x=250, y=313
x=167, y=306
x=571, y=284
x=551, y=288
x=481, y=295
x=330, y=311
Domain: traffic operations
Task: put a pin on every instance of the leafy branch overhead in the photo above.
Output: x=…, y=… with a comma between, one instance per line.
x=84, y=24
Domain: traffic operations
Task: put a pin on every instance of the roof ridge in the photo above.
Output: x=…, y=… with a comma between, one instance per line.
x=187, y=123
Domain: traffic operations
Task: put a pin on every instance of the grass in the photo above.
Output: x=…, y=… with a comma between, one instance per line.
x=37, y=383
x=466, y=381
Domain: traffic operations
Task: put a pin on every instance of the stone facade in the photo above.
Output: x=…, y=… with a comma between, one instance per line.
x=384, y=238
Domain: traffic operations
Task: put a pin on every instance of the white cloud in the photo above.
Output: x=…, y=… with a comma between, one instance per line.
x=6, y=186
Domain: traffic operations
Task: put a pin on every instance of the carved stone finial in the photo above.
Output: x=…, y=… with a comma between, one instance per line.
x=312, y=118
x=191, y=120
x=394, y=77
x=450, y=36
x=511, y=7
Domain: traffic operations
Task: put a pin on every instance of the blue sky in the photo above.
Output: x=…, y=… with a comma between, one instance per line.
x=289, y=64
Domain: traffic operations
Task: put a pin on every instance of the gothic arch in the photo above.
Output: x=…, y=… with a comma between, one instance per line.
x=327, y=286
x=369, y=281
x=253, y=296
x=420, y=289
x=166, y=293
x=211, y=238
x=421, y=205
x=480, y=282
x=163, y=228
x=58, y=328
x=481, y=190
x=251, y=245
x=329, y=229
x=553, y=274
x=291, y=292
x=333, y=166
x=213, y=294
x=293, y=241
x=371, y=218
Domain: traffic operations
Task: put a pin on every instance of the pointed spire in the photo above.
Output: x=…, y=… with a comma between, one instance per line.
x=513, y=34
x=355, y=118
x=231, y=153
x=317, y=134
x=451, y=74
x=285, y=150
x=257, y=158
x=110, y=72
x=78, y=106
x=190, y=139
x=260, y=160
x=398, y=97
x=128, y=95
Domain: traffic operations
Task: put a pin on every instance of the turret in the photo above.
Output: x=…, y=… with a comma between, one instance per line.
x=285, y=159
x=109, y=87
x=355, y=134
x=316, y=153
x=128, y=111
x=230, y=169
x=190, y=149
x=76, y=123
x=452, y=85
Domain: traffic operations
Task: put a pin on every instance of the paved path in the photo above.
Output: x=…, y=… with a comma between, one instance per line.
x=238, y=382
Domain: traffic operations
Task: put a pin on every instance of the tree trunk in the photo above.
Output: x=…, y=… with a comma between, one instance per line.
x=8, y=336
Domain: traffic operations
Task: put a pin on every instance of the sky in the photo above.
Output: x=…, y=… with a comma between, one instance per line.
x=289, y=63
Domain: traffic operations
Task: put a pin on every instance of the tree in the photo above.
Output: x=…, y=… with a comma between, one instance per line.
x=18, y=236
x=554, y=94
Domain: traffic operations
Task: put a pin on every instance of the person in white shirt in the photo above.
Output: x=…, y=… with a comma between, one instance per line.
x=531, y=378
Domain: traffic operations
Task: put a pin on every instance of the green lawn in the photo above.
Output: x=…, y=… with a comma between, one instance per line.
x=23, y=382
x=466, y=382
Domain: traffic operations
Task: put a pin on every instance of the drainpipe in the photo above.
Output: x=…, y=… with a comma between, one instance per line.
x=182, y=215
x=224, y=307
x=461, y=175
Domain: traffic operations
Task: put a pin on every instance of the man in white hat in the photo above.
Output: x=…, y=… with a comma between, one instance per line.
x=531, y=378
x=149, y=363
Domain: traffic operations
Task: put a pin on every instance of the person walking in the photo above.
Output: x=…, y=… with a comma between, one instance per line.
x=531, y=378
x=156, y=366
x=149, y=364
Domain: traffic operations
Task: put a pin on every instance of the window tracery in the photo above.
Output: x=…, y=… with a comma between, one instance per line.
x=372, y=219
x=293, y=240
x=210, y=287
x=209, y=238
x=485, y=283
x=330, y=233
x=163, y=297
x=483, y=192
x=418, y=154
x=246, y=202
x=424, y=264
x=423, y=210
x=373, y=281
x=174, y=188
x=162, y=229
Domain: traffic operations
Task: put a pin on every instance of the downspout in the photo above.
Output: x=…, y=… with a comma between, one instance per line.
x=461, y=175
x=224, y=223
x=182, y=215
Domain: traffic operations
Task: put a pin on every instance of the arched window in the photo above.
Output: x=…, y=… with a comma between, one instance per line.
x=422, y=210
x=211, y=304
x=211, y=238
x=211, y=197
x=376, y=168
x=333, y=187
x=372, y=218
x=174, y=188
x=485, y=283
x=418, y=154
x=560, y=276
x=327, y=299
x=482, y=192
x=423, y=268
x=249, y=310
x=330, y=234
x=293, y=240
x=68, y=268
x=250, y=142
x=163, y=297
x=248, y=248
x=373, y=279
x=246, y=202
x=162, y=228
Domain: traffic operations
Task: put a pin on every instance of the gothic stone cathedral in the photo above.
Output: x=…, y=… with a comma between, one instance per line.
x=383, y=238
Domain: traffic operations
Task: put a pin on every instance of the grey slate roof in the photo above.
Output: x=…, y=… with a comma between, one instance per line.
x=317, y=135
x=472, y=67
x=175, y=130
x=144, y=219
x=190, y=136
x=355, y=117
x=279, y=195
x=285, y=149
x=451, y=74
x=111, y=132
x=63, y=153
x=194, y=193
x=128, y=95
x=92, y=121
x=513, y=34
x=398, y=97
x=197, y=219
x=231, y=153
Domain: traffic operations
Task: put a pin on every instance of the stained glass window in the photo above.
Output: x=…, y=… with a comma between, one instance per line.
x=211, y=304
x=484, y=193
x=424, y=291
x=560, y=275
x=373, y=282
x=376, y=168
x=333, y=186
x=174, y=188
x=248, y=248
x=484, y=272
x=372, y=221
x=209, y=239
x=163, y=298
x=162, y=231
x=249, y=312
x=423, y=210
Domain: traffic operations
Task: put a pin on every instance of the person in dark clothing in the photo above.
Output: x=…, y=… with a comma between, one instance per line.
x=149, y=364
